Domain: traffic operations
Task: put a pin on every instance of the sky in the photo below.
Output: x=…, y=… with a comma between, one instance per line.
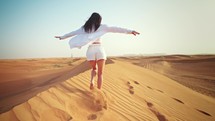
x=27, y=28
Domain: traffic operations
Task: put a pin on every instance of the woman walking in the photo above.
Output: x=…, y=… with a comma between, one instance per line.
x=91, y=32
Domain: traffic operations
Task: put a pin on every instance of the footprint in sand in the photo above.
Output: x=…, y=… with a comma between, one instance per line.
x=131, y=88
x=136, y=82
x=100, y=101
x=159, y=116
x=177, y=100
x=155, y=89
x=159, y=91
x=149, y=104
x=92, y=117
x=203, y=112
x=149, y=87
x=131, y=91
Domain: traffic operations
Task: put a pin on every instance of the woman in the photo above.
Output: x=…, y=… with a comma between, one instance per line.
x=91, y=32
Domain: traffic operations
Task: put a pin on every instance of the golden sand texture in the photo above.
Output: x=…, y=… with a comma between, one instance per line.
x=129, y=93
x=22, y=79
x=194, y=71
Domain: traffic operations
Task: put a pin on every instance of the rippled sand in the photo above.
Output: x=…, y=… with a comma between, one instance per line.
x=133, y=90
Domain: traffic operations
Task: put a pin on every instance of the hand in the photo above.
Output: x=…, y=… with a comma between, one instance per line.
x=135, y=33
x=58, y=37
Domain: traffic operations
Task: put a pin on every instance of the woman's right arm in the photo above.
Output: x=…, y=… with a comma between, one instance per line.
x=73, y=33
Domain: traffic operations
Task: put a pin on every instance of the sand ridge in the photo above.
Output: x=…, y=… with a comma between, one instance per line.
x=129, y=93
x=194, y=71
x=24, y=84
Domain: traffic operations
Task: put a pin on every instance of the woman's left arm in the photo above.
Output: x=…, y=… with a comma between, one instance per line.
x=78, y=31
x=121, y=30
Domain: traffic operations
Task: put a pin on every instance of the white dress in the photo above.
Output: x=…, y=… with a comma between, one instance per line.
x=82, y=38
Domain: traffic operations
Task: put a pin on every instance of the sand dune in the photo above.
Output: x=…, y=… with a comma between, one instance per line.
x=194, y=71
x=129, y=93
x=23, y=79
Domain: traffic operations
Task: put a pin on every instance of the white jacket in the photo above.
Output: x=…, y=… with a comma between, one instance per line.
x=82, y=38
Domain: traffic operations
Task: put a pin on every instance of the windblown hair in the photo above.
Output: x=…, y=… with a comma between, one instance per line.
x=93, y=23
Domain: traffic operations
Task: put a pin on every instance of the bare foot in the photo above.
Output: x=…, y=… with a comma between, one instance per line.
x=93, y=74
x=91, y=86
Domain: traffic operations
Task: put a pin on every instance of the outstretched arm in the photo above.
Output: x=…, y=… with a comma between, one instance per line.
x=78, y=31
x=121, y=30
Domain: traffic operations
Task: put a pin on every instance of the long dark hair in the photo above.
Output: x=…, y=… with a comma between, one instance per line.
x=92, y=23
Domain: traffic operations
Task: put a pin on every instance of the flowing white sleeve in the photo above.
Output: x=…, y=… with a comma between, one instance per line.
x=117, y=30
x=73, y=33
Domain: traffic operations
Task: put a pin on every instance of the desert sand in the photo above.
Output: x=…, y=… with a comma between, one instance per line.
x=194, y=71
x=58, y=90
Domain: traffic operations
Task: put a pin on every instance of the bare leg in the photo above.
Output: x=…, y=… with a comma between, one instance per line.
x=100, y=64
x=93, y=73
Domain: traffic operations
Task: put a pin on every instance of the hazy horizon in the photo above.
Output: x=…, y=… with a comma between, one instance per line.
x=170, y=27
